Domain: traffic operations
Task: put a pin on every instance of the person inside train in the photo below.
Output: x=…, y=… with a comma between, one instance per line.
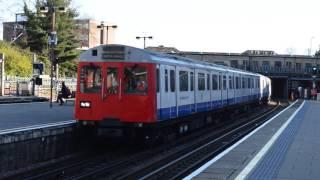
x=63, y=94
x=141, y=84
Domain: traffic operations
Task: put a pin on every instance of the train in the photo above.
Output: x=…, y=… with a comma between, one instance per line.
x=144, y=93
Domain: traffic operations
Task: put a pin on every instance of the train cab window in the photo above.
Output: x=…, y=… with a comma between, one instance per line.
x=172, y=81
x=224, y=82
x=183, y=80
x=201, y=82
x=214, y=82
x=112, y=81
x=158, y=79
x=166, y=81
x=208, y=81
x=135, y=80
x=90, y=79
x=191, y=81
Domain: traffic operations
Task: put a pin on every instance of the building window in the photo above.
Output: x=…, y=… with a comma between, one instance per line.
x=298, y=66
x=254, y=64
x=277, y=65
x=265, y=65
x=234, y=63
x=289, y=65
x=201, y=82
x=183, y=79
x=245, y=64
x=308, y=67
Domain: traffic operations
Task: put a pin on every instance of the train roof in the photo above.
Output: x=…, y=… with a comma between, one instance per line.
x=117, y=53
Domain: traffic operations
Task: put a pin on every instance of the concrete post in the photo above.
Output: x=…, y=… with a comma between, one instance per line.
x=2, y=74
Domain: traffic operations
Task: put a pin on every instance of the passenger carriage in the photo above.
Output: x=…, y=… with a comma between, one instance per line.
x=122, y=86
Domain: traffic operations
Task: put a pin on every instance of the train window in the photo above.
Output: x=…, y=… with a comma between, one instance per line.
x=166, y=80
x=183, y=79
x=220, y=82
x=172, y=81
x=91, y=79
x=158, y=79
x=237, y=82
x=191, y=81
x=112, y=80
x=243, y=83
x=201, y=82
x=230, y=82
x=214, y=82
x=135, y=79
x=224, y=82
x=248, y=83
x=208, y=81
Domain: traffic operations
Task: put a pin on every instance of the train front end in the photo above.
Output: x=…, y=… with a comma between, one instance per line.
x=115, y=88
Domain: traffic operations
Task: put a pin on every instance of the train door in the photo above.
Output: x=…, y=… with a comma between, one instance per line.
x=168, y=103
x=215, y=92
x=202, y=90
x=89, y=91
x=231, y=88
x=185, y=94
x=224, y=89
x=237, y=93
x=110, y=93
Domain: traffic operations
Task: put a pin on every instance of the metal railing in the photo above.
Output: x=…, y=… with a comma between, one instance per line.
x=12, y=85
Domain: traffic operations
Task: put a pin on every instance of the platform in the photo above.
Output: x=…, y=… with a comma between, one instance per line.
x=21, y=115
x=21, y=99
x=286, y=147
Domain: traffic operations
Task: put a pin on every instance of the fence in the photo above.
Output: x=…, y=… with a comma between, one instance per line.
x=24, y=86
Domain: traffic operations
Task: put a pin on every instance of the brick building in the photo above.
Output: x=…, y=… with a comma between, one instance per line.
x=87, y=31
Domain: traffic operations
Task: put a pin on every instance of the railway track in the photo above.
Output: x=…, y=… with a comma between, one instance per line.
x=180, y=164
x=168, y=161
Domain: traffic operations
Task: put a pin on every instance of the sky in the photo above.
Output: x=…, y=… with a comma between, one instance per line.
x=285, y=26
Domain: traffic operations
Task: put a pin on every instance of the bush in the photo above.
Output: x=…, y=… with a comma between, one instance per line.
x=18, y=62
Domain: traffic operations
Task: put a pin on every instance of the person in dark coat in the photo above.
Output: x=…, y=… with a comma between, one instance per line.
x=64, y=93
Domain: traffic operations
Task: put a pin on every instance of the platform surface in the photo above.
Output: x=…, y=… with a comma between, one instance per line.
x=287, y=147
x=19, y=115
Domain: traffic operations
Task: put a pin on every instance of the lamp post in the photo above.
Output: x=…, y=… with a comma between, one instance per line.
x=101, y=27
x=53, y=39
x=144, y=39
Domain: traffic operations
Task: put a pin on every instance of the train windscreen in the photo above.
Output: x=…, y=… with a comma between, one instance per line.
x=90, y=79
x=135, y=79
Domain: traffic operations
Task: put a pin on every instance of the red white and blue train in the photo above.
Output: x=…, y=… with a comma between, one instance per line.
x=135, y=90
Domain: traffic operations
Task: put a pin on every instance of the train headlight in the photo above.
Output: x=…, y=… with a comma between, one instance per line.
x=85, y=104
